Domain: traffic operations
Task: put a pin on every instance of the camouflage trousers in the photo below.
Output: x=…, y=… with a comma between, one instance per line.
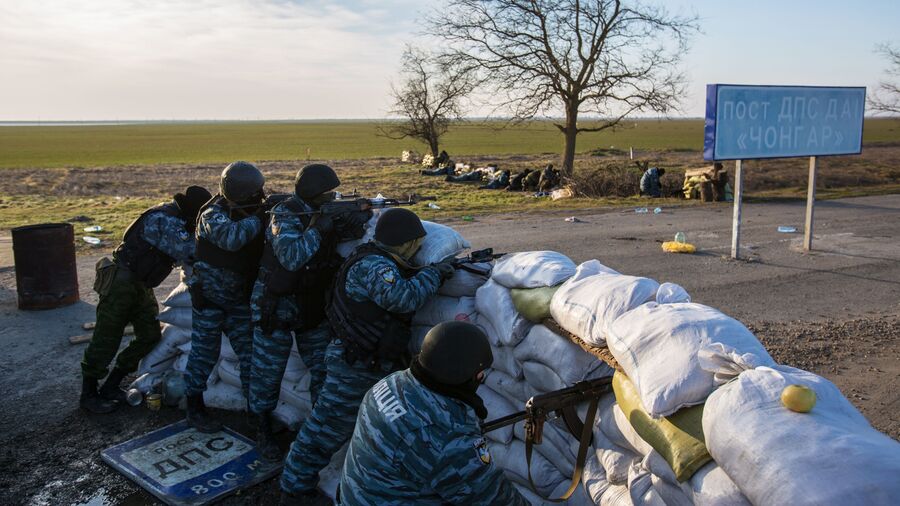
x=332, y=420
x=270, y=357
x=209, y=322
x=126, y=302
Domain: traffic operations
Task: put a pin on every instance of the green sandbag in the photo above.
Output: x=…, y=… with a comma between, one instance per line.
x=678, y=438
x=534, y=303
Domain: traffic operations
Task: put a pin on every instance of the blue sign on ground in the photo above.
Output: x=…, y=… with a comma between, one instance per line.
x=746, y=122
x=181, y=466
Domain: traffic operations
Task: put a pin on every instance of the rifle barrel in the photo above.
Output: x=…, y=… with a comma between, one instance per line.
x=504, y=421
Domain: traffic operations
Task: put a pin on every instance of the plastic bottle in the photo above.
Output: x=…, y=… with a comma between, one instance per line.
x=641, y=210
x=134, y=397
x=91, y=240
x=657, y=210
x=93, y=228
x=680, y=238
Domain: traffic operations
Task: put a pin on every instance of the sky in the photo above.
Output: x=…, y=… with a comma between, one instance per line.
x=84, y=60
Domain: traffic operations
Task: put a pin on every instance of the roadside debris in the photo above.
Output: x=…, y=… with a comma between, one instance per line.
x=93, y=241
x=787, y=230
x=572, y=219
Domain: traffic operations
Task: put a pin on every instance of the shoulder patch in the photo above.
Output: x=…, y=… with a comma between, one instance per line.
x=481, y=450
x=276, y=227
x=218, y=218
x=387, y=274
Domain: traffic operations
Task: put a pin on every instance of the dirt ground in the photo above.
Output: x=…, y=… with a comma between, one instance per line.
x=835, y=311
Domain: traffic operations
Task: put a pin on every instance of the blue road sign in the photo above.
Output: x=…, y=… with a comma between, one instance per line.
x=181, y=466
x=747, y=122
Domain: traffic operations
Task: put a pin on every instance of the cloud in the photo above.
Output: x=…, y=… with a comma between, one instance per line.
x=141, y=59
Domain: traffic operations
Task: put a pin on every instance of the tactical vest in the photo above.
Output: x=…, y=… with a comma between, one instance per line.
x=148, y=264
x=310, y=283
x=244, y=261
x=370, y=332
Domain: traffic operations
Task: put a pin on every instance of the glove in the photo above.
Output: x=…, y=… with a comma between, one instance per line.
x=445, y=270
x=323, y=223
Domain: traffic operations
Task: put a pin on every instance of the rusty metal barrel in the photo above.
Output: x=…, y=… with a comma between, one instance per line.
x=46, y=272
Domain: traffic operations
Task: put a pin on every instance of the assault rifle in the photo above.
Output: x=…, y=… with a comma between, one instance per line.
x=476, y=257
x=351, y=204
x=560, y=403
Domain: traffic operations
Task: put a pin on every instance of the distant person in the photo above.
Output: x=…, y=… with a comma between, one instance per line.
x=719, y=182
x=442, y=160
x=417, y=438
x=650, y=185
x=516, y=183
x=160, y=238
x=440, y=171
x=498, y=182
x=549, y=179
x=469, y=177
x=532, y=181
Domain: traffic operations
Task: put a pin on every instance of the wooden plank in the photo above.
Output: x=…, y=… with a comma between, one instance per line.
x=736, y=221
x=810, y=205
x=601, y=352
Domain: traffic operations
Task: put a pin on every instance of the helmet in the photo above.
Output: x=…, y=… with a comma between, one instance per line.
x=190, y=202
x=314, y=180
x=398, y=226
x=242, y=183
x=454, y=352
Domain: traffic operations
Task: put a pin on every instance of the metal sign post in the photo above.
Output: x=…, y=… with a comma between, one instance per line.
x=810, y=204
x=736, y=222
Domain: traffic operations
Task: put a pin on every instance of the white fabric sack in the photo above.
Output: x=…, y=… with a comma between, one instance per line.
x=484, y=323
x=532, y=269
x=640, y=487
x=185, y=348
x=591, y=268
x=511, y=458
x=178, y=316
x=505, y=360
x=160, y=359
x=180, y=363
x=440, y=242
x=664, y=481
x=345, y=249
x=494, y=304
x=330, y=477
x=226, y=352
x=465, y=283
x=616, y=495
x=614, y=458
x=670, y=293
x=588, y=306
x=297, y=395
x=710, y=486
x=606, y=423
x=559, y=447
x=288, y=415
x=571, y=363
x=831, y=454
x=594, y=478
x=441, y=309
x=178, y=297
x=177, y=335
x=541, y=377
x=229, y=372
x=221, y=395
x=657, y=345
x=497, y=406
x=635, y=441
x=516, y=391
x=295, y=368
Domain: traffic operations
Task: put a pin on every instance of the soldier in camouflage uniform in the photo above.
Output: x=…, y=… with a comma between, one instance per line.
x=229, y=245
x=298, y=265
x=161, y=237
x=374, y=295
x=417, y=438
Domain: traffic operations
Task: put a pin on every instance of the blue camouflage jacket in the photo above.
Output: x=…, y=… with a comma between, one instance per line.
x=292, y=243
x=215, y=226
x=378, y=279
x=168, y=234
x=414, y=446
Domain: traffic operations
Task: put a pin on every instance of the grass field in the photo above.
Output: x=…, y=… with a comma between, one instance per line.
x=166, y=143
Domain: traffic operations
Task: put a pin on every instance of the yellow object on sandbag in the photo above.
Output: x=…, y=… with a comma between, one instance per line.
x=678, y=438
x=678, y=247
x=533, y=303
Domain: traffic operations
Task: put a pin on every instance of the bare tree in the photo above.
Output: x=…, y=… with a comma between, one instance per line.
x=887, y=96
x=429, y=97
x=606, y=58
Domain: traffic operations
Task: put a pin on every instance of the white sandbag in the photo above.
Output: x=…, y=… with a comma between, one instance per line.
x=226, y=352
x=177, y=316
x=505, y=360
x=440, y=242
x=541, y=377
x=588, y=306
x=441, y=309
x=180, y=363
x=664, y=481
x=290, y=416
x=606, y=423
x=616, y=495
x=591, y=268
x=613, y=457
x=465, y=283
x=185, y=348
x=635, y=441
x=511, y=459
x=297, y=395
x=640, y=487
x=229, y=372
x=146, y=382
x=532, y=269
x=345, y=249
x=160, y=359
x=497, y=407
x=710, y=486
x=657, y=346
x=670, y=293
x=568, y=360
x=176, y=335
x=594, y=478
x=330, y=476
x=831, y=454
x=494, y=304
x=559, y=447
x=178, y=297
x=516, y=391
x=294, y=370
x=221, y=395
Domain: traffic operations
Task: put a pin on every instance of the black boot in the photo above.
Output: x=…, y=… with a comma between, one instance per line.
x=91, y=400
x=265, y=438
x=110, y=389
x=311, y=498
x=198, y=418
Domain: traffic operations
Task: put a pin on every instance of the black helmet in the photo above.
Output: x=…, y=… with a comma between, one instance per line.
x=242, y=183
x=315, y=179
x=397, y=226
x=454, y=352
x=190, y=202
